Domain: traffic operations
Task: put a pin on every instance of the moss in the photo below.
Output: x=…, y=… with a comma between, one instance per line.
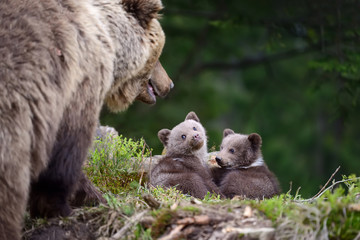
x=163, y=219
x=192, y=209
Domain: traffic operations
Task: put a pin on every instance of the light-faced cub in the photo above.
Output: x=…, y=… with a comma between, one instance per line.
x=182, y=166
x=243, y=171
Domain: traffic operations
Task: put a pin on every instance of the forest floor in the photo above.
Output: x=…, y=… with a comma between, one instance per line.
x=183, y=220
x=136, y=211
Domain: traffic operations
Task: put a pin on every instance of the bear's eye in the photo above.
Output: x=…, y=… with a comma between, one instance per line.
x=194, y=128
x=183, y=136
x=221, y=147
x=231, y=150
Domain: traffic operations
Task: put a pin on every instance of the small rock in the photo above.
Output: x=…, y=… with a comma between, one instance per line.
x=248, y=212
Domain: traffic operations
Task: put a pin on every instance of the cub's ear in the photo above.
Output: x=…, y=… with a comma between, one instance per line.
x=227, y=131
x=255, y=141
x=192, y=116
x=143, y=10
x=163, y=135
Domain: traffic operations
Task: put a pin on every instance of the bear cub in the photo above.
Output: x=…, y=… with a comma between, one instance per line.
x=183, y=164
x=243, y=171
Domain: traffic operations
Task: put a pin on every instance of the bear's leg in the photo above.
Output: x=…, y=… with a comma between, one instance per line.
x=235, y=184
x=14, y=180
x=14, y=188
x=190, y=183
x=51, y=193
x=86, y=193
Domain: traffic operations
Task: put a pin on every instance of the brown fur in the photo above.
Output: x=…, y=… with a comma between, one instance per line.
x=243, y=171
x=59, y=60
x=183, y=164
x=86, y=193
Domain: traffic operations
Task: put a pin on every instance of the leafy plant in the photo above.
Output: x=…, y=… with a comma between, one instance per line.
x=115, y=163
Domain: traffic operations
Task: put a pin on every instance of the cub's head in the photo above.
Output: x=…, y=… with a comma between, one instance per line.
x=188, y=137
x=239, y=151
x=138, y=72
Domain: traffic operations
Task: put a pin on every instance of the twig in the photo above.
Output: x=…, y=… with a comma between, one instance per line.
x=322, y=189
x=142, y=165
x=290, y=189
x=128, y=225
x=174, y=234
x=151, y=201
x=335, y=183
x=342, y=181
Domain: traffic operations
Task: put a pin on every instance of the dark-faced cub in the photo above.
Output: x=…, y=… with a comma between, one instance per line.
x=182, y=166
x=243, y=171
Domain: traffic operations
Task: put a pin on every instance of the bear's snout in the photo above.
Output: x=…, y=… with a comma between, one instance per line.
x=196, y=137
x=196, y=141
x=218, y=160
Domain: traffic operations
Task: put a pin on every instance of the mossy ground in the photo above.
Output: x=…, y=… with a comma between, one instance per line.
x=129, y=214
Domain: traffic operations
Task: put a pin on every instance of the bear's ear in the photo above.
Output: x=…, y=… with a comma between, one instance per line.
x=143, y=10
x=255, y=141
x=227, y=131
x=192, y=116
x=163, y=135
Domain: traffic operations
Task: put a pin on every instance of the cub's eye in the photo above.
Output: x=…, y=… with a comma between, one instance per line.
x=231, y=150
x=183, y=136
x=221, y=147
x=194, y=128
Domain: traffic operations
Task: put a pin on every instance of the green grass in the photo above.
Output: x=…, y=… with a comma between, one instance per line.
x=114, y=164
x=332, y=214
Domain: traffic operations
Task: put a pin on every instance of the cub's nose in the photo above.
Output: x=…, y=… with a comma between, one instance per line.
x=196, y=137
x=218, y=159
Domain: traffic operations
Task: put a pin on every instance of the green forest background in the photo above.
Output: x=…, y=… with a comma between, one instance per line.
x=288, y=70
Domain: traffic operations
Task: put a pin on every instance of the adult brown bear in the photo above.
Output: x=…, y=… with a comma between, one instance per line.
x=59, y=61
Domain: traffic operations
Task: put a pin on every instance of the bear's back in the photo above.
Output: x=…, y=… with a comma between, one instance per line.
x=254, y=182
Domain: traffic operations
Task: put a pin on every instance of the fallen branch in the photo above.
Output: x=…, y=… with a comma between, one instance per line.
x=199, y=220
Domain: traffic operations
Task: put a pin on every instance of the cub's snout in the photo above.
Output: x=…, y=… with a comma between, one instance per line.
x=218, y=160
x=197, y=141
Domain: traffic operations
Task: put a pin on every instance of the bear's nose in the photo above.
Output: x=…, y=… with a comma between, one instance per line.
x=196, y=137
x=218, y=159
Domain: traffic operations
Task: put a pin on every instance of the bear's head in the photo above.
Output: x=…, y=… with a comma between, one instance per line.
x=186, y=138
x=142, y=76
x=239, y=151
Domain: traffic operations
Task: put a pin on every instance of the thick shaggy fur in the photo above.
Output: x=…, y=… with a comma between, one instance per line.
x=59, y=60
x=243, y=171
x=182, y=166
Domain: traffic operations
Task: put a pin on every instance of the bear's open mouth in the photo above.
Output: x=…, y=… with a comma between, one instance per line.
x=151, y=91
x=152, y=88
